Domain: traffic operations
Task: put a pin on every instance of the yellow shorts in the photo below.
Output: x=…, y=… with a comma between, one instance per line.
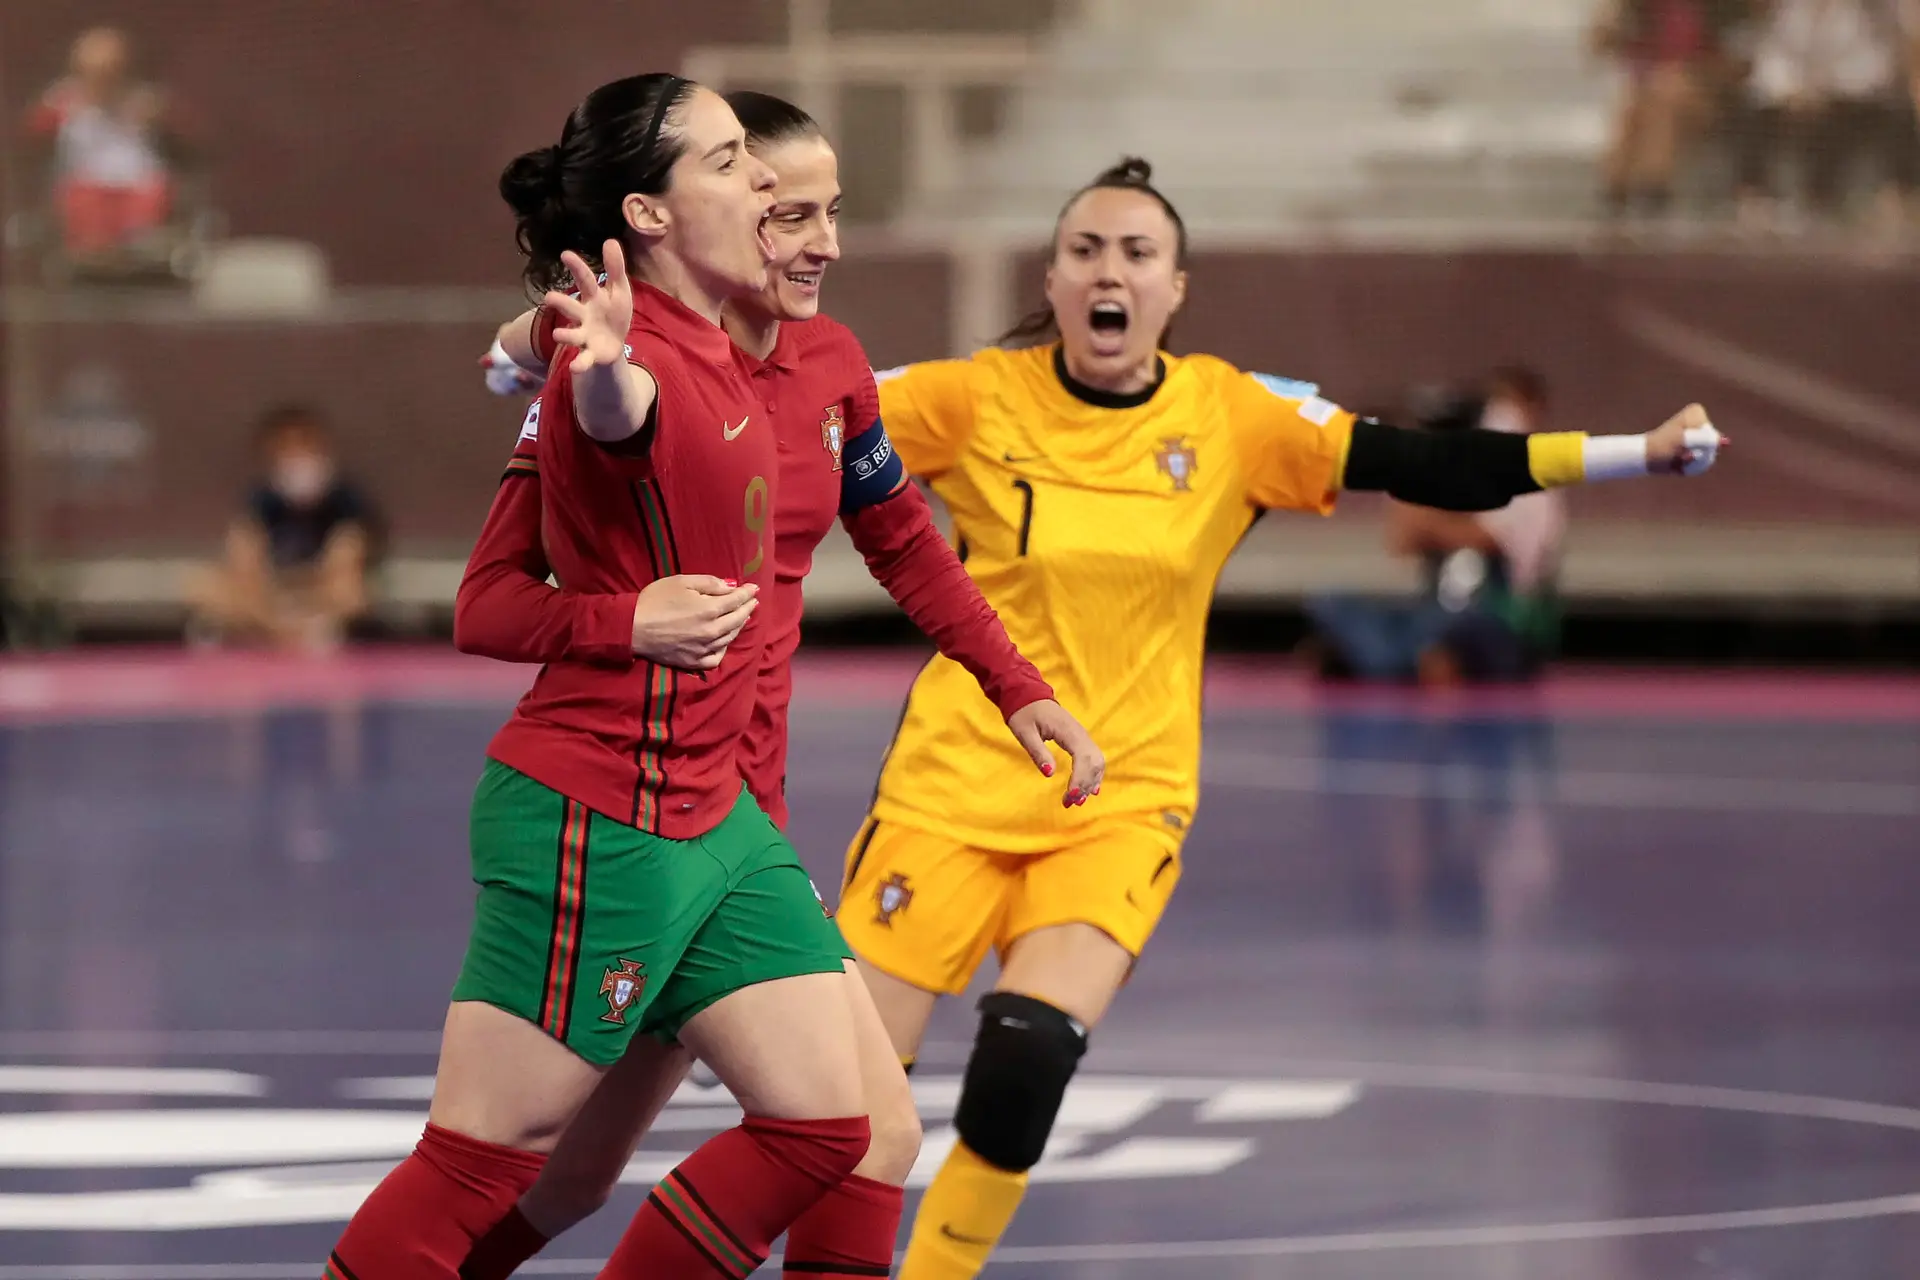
x=927, y=909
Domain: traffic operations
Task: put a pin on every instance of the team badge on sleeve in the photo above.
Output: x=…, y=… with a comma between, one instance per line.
x=622, y=987
x=1311, y=407
x=833, y=433
x=891, y=896
x=530, y=425
x=1317, y=411
x=1175, y=458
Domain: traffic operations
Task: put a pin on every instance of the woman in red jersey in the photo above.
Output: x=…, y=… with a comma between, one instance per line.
x=627, y=882
x=834, y=460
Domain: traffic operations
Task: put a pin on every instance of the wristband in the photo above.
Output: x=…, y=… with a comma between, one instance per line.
x=1614, y=457
x=504, y=376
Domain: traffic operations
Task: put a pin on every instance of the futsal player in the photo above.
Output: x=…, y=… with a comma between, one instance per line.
x=1097, y=484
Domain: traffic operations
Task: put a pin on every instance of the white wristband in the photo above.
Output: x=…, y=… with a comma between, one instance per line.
x=504, y=376
x=1614, y=457
x=498, y=355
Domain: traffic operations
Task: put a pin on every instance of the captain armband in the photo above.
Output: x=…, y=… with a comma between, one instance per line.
x=870, y=470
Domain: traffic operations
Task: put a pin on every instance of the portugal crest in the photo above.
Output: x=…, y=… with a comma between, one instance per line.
x=833, y=434
x=892, y=895
x=1175, y=459
x=622, y=987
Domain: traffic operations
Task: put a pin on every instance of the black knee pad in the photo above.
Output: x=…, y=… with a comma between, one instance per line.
x=1025, y=1054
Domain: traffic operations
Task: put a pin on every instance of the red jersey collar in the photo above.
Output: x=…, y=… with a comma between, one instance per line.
x=681, y=324
x=785, y=355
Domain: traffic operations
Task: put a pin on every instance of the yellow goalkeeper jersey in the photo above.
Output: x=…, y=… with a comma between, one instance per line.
x=1097, y=526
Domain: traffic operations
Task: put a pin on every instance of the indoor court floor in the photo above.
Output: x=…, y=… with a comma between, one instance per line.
x=1614, y=979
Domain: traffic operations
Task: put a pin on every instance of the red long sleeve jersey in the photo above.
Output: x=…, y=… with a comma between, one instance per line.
x=644, y=744
x=817, y=385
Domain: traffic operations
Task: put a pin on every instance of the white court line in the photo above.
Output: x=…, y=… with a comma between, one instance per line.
x=146, y=1082
x=1517, y=1084
x=1576, y=788
x=1464, y=1079
x=195, y=1044
x=1163, y=1251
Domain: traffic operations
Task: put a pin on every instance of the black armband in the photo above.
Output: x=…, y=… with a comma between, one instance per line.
x=1470, y=470
x=870, y=472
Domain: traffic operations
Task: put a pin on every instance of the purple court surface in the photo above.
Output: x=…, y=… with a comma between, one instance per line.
x=1613, y=979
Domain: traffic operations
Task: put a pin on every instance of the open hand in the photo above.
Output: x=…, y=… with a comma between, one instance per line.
x=597, y=316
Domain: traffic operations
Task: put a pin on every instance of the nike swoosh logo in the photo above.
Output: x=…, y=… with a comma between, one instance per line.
x=733, y=433
x=951, y=1234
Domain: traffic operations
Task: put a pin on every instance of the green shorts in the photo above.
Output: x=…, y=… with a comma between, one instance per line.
x=593, y=930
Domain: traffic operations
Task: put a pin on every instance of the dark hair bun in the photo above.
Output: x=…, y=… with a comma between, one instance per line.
x=1130, y=172
x=532, y=188
x=531, y=180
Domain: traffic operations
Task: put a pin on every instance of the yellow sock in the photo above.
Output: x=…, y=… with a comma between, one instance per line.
x=961, y=1218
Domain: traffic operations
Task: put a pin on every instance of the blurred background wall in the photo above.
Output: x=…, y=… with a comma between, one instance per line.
x=1387, y=197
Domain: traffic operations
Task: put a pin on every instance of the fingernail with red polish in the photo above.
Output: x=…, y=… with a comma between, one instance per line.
x=1073, y=797
x=1046, y=771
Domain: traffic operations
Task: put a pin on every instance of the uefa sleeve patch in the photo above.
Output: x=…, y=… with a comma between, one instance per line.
x=1286, y=388
x=1317, y=411
x=530, y=425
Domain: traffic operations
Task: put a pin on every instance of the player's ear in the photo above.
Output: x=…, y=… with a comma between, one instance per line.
x=647, y=216
x=1179, y=290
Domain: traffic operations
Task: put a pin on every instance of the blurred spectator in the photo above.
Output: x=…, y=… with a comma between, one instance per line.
x=295, y=572
x=1670, y=51
x=1833, y=84
x=112, y=187
x=1486, y=610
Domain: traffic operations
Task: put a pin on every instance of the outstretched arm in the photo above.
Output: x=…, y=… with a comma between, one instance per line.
x=514, y=365
x=1484, y=470
x=1299, y=451
x=613, y=397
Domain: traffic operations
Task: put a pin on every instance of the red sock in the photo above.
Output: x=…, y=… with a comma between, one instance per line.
x=848, y=1234
x=719, y=1212
x=421, y=1220
x=499, y=1253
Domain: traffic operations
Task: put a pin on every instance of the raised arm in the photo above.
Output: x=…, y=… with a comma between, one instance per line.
x=612, y=397
x=1299, y=451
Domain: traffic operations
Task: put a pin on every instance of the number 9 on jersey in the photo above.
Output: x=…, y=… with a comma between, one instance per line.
x=756, y=517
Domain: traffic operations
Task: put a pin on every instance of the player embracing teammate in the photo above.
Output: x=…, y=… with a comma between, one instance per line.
x=1098, y=483
x=629, y=883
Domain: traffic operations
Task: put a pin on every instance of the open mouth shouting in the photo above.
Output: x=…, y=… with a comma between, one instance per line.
x=768, y=251
x=1107, y=319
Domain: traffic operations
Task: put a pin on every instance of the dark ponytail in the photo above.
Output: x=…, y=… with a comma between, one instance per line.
x=622, y=139
x=1131, y=174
